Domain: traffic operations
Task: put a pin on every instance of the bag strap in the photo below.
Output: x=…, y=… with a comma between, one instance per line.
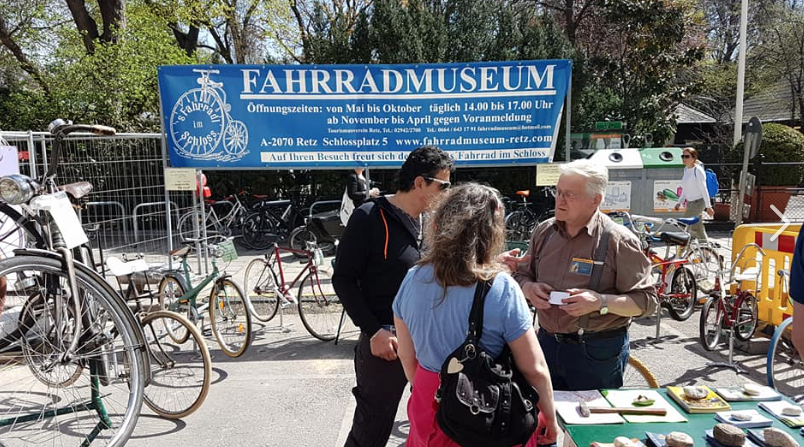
x=599, y=261
x=476, y=314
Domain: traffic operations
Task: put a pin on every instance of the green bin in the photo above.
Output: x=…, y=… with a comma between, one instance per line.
x=663, y=170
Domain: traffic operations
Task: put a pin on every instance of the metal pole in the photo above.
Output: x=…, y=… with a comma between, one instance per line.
x=568, y=117
x=168, y=220
x=738, y=111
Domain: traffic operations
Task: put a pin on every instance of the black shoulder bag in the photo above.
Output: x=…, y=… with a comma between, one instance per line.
x=484, y=402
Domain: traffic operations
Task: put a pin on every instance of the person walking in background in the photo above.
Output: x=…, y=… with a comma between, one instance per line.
x=693, y=190
x=357, y=188
x=431, y=310
x=381, y=242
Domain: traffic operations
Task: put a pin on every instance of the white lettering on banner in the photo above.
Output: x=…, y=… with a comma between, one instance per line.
x=508, y=82
x=341, y=156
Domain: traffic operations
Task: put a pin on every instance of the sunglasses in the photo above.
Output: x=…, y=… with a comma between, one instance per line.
x=686, y=156
x=444, y=183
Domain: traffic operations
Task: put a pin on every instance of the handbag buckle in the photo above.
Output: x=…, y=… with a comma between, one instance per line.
x=474, y=409
x=470, y=353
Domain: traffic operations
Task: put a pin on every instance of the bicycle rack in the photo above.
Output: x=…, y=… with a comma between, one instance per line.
x=123, y=216
x=134, y=214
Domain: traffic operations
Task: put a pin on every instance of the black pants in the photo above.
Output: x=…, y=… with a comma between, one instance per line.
x=590, y=365
x=379, y=389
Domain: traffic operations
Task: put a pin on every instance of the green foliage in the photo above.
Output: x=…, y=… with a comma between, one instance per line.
x=779, y=144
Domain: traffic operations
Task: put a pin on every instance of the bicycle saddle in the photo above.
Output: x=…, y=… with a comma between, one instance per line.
x=525, y=193
x=675, y=238
x=77, y=190
x=181, y=252
x=689, y=220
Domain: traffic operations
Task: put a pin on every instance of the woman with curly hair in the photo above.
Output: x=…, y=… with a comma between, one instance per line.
x=431, y=311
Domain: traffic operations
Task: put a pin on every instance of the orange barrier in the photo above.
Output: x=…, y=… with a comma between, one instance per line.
x=773, y=298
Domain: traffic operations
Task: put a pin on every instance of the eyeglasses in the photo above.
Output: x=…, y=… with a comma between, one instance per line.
x=686, y=156
x=444, y=183
x=569, y=196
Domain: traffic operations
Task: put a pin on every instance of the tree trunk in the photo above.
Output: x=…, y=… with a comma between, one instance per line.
x=187, y=41
x=113, y=13
x=85, y=23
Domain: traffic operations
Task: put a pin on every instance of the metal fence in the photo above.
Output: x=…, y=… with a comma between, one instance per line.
x=127, y=205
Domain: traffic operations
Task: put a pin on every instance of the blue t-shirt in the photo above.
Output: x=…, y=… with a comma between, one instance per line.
x=797, y=271
x=438, y=323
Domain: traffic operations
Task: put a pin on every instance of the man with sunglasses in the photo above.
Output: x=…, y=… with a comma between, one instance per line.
x=587, y=277
x=381, y=242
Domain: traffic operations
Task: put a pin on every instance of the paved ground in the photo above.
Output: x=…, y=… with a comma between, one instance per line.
x=290, y=389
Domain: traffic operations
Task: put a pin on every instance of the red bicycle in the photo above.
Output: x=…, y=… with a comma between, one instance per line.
x=736, y=312
x=267, y=289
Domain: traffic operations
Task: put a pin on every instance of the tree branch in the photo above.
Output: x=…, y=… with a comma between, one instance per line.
x=113, y=13
x=8, y=41
x=85, y=23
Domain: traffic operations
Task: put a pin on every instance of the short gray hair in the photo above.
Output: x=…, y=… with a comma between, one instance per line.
x=596, y=175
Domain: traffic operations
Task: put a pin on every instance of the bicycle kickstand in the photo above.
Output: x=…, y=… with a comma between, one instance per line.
x=731, y=363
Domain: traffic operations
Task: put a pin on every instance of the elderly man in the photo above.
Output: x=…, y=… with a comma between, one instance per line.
x=603, y=274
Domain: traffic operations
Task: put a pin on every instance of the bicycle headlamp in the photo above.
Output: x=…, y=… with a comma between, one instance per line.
x=16, y=189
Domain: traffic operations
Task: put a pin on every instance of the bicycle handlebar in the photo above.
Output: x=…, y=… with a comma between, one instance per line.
x=60, y=129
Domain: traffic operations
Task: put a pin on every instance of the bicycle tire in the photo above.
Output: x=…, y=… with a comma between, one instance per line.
x=517, y=226
x=298, y=240
x=785, y=370
x=259, y=231
x=684, y=284
x=319, y=307
x=747, y=318
x=167, y=362
x=170, y=290
x=706, y=262
x=113, y=366
x=710, y=331
x=260, y=286
x=229, y=317
x=638, y=375
x=187, y=228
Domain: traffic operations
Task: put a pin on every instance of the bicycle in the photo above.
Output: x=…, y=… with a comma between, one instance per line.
x=232, y=221
x=522, y=218
x=229, y=318
x=785, y=371
x=669, y=272
x=274, y=220
x=637, y=375
x=178, y=385
x=736, y=312
x=319, y=308
x=75, y=336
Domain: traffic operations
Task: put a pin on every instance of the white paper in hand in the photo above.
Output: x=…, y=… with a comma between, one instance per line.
x=60, y=208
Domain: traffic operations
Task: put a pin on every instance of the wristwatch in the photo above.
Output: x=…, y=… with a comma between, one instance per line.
x=604, y=308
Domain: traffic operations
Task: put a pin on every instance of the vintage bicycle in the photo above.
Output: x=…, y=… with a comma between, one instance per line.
x=318, y=306
x=229, y=317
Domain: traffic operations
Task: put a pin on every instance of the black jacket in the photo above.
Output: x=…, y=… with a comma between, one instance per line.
x=374, y=255
x=357, y=189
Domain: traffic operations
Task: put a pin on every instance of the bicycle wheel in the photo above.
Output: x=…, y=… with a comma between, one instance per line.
x=299, y=239
x=260, y=285
x=103, y=404
x=180, y=372
x=259, y=231
x=170, y=291
x=516, y=226
x=705, y=263
x=637, y=375
x=16, y=232
x=711, y=324
x=785, y=369
x=229, y=317
x=684, y=292
x=319, y=308
x=747, y=318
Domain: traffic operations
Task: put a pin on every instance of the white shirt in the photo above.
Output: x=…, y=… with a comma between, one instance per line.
x=693, y=186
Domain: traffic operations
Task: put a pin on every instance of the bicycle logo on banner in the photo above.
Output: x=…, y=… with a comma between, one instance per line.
x=200, y=122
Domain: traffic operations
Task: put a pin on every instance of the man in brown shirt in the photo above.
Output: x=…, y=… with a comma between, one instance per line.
x=602, y=268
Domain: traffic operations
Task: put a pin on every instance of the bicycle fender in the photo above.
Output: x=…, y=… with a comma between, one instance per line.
x=114, y=294
x=180, y=278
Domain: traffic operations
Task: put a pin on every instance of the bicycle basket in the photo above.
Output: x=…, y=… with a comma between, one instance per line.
x=227, y=251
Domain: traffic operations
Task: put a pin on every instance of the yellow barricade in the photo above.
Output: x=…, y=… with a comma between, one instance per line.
x=773, y=299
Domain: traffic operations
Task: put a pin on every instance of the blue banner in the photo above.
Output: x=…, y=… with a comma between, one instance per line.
x=343, y=116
